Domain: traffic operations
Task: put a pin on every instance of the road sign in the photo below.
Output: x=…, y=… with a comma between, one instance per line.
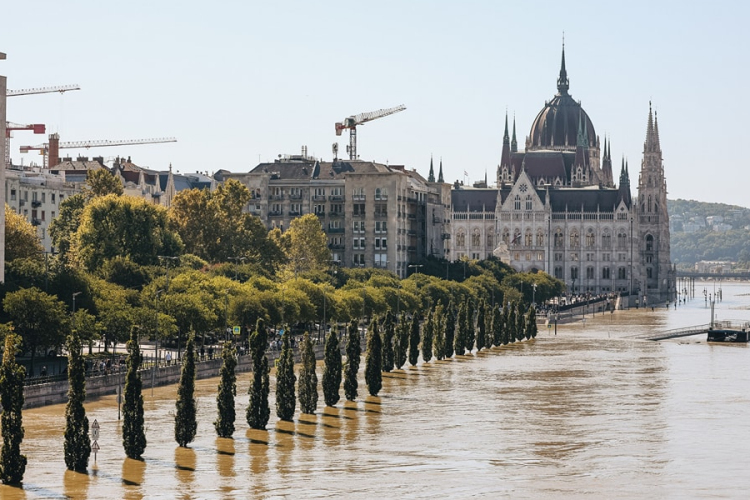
x=95, y=447
x=95, y=437
x=95, y=434
x=236, y=330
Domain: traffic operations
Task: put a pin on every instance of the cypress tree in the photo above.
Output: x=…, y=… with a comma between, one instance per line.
x=531, y=328
x=497, y=327
x=308, y=379
x=286, y=400
x=428, y=336
x=12, y=463
x=510, y=323
x=332, y=370
x=439, y=331
x=388, y=335
x=414, y=340
x=470, y=333
x=519, y=322
x=459, y=342
x=224, y=423
x=77, y=442
x=374, y=360
x=353, y=353
x=481, y=326
x=450, y=329
x=185, y=418
x=258, y=411
x=133, y=432
x=401, y=343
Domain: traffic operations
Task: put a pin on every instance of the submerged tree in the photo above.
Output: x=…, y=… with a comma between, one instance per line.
x=185, y=419
x=401, y=342
x=308, y=379
x=332, y=370
x=353, y=352
x=438, y=329
x=373, y=360
x=531, y=328
x=224, y=423
x=450, y=329
x=414, y=340
x=497, y=327
x=389, y=330
x=77, y=446
x=12, y=463
x=481, y=326
x=459, y=343
x=470, y=334
x=258, y=412
x=133, y=432
x=428, y=335
x=286, y=400
x=520, y=323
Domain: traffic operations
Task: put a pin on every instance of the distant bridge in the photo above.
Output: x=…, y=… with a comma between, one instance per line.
x=744, y=275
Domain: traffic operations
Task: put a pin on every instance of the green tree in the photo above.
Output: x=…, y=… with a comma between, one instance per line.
x=401, y=342
x=308, y=379
x=459, y=343
x=224, y=423
x=21, y=239
x=428, y=335
x=497, y=326
x=286, y=400
x=481, y=326
x=439, y=332
x=77, y=446
x=389, y=332
x=102, y=182
x=12, y=463
x=259, y=411
x=332, y=370
x=40, y=319
x=414, y=340
x=450, y=329
x=353, y=353
x=133, y=432
x=510, y=323
x=306, y=245
x=374, y=360
x=520, y=323
x=470, y=333
x=531, y=328
x=64, y=227
x=185, y=419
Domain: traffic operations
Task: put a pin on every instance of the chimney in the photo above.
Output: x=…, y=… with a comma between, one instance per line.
x=53, y=155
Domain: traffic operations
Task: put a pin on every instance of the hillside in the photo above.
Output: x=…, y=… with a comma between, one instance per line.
x=708, y=231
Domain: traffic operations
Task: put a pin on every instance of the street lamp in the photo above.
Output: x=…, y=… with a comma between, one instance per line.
x=236, y=260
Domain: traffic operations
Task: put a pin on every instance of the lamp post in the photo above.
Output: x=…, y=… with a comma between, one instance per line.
x=156, y=345
x=236, y=260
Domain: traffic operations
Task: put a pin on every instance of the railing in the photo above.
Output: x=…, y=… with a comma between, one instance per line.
x=359, y=197
x=276, y=197
x=295, y=196
x=381, y=214
x=336, y=197
x=319, y=197
x=335, y=230
x=275, y=213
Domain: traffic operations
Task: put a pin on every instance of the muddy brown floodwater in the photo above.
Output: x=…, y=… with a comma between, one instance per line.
x=588, y=413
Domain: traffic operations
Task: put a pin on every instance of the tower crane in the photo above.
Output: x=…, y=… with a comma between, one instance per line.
x=360, y=119
x=52, y=147
x=42, y=90
x=37, y=128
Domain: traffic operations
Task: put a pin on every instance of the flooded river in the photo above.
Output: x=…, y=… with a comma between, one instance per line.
x=591, y=412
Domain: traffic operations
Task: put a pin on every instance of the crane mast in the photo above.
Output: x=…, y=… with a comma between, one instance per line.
x=360, y=119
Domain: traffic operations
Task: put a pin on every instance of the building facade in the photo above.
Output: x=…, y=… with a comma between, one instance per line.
x=556, y=208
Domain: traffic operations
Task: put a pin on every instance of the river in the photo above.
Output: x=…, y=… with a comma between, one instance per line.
x=591, y=412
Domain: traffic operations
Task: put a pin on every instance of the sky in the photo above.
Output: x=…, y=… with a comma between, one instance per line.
x=241, y=82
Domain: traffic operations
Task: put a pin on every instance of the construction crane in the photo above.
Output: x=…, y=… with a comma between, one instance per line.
x=52, y=148
x=42, y=90
x=360, y=119
x=37, y=128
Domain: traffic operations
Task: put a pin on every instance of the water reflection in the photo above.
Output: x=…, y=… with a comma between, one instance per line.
x=133, y=472
x=185, y=464
x=76, y=485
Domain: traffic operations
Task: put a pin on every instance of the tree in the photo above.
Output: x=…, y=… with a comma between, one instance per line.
x=77, y=446
x=308, y=380
x=353, y=353
x=531, y=328
x=439, y=331
x=12, y=463
x=520, y=323
x=459, y=343
x=414, y=340
x=258, y=411
x=40, y=319
x=497, y=326
x=64, y=227
x=21, y=239
x=470, y=333
x=102, y=182
x=374, y=360
x=224, y=423
x=401, y=343
x=306, y=245
x=133, y=433
x=124, y=226
x=481, y=326
x=286, y=400
x=389, y=331
x=185, y=419
x=509, y=332
x=450, y=329
x=428, y=335
x=332, y=370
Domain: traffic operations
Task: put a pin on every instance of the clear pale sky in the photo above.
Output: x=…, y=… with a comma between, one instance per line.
x=241, y=81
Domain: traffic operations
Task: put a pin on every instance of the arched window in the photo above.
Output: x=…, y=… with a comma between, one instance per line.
x=649, y=203
x=377, y=193
x=528, y=239
x=559, y=238
x=574, y=239
x=606, y=240
x=649, y=243
x=528, y=202
x=649, y=272
x=517, y=203
x=621, y=273
x=622, y=241
x=539, y=239
x=574, y=273
x=605, y=273
x=461, y=239
x=590, y=239
x=590, y=272
x=490, y=241
x=475, y=238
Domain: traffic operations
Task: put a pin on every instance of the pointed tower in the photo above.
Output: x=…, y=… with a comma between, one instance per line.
x=581, y=172
x=431, y=176
x=623, y=190
x=607, y=177
x=653, y=220
x=504, y=173
x=562, y=81
x=514, y=142
x=440, y=174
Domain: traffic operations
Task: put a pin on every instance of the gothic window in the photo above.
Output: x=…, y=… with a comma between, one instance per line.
x=490, y=241
x=649, y=272
x=528, y=239
x=606, y=240
x=517, y=203
x=649, y=243
x=558, y=238
x=621, y=273
x=539, y=239
x=574, y=239
x=589, y=273
x=528, y=201
x=649, y=203
x=506, y=236
x=605, y=273
x=559, y=272
x=574, y=273
x=476, y=239
x=461, y=239
x=590, y=238
x=622, y=241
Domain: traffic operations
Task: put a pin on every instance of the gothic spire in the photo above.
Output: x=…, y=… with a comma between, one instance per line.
x=431, y=176
x=513, y=142
x=624, y=187
x=656, y=131
x=440, y=174
x=562, y=81
x=651, y=142
x=505, y=157
x=506, y=138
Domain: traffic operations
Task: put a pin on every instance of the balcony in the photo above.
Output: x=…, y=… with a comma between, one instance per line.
x=358, y=214
x=295, y=196
x=319, y=197
x=383, y=197
x=336, y=214
x=336, y=197
x=381, y=265
x=275, y=213
x=294, y=213
x=381, y=214
x=335, y=230
x=36, y=222
x=359, y=197
x=379, y=248
x=36, y=204
x=337, y=246
x=276, y=197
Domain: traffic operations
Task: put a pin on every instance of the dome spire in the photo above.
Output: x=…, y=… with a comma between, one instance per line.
x=562, y=82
